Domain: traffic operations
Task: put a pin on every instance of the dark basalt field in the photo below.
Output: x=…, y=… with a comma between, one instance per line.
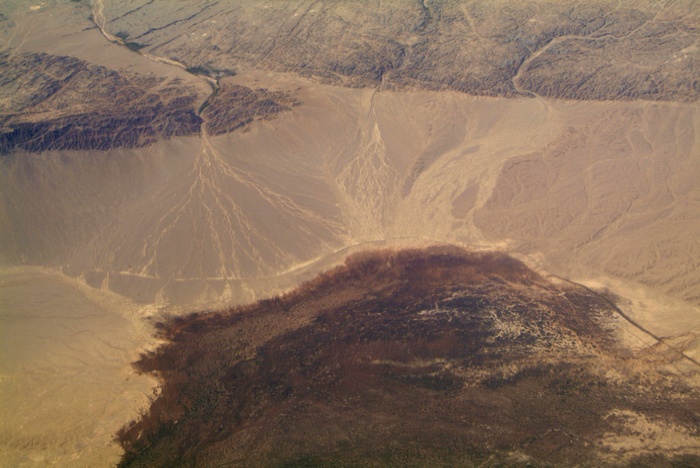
x=432, y=357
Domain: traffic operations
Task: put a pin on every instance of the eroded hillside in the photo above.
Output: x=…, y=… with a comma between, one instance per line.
x=583, y=49
x=63, y=103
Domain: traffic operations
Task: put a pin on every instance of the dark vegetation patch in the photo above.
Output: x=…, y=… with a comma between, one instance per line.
x=212, y=72
x=134, y=46
x=437, y=357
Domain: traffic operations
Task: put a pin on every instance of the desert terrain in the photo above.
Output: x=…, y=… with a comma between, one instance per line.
x=159, y=158
x=437, y=357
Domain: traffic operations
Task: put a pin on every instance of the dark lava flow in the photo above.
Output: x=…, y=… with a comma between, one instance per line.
x=416, y=357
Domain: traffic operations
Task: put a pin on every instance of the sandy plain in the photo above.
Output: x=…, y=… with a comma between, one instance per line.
x=66, y=378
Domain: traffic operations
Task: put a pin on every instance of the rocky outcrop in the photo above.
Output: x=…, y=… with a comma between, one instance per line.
x=63, y=103
x=233, y=107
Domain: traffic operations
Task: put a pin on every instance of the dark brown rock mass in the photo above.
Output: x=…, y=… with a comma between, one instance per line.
x=433, y=358
x=233, y=107
x=63, y=103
